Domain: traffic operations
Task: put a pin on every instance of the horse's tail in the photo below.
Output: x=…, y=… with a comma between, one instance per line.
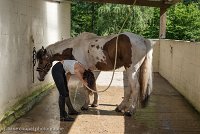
x=146, y=76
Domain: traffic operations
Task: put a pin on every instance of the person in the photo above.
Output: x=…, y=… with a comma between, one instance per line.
x=61, y=72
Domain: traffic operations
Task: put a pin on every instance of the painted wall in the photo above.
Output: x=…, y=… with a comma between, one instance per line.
x=156, y=55
x=21, y=20
x=179, y=63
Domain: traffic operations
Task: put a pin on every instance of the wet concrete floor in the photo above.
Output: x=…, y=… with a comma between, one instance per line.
x=166, y=113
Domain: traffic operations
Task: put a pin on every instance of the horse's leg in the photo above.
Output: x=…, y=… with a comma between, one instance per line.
x=132, y=74
x=150, y=81
x=87, y=100
x=95, y=102
x=123, y=105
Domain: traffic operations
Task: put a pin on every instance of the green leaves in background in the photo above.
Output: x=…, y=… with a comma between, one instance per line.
x=183, y=19
x=183, y=22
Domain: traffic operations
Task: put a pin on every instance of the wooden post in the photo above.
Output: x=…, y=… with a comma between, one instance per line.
x=163, y=18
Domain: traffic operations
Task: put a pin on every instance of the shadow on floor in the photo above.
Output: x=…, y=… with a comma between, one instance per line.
x=167, y=112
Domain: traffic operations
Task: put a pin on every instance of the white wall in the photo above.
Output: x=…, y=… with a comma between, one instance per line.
x=46, y=22
x=156, y=55
x=179, y=63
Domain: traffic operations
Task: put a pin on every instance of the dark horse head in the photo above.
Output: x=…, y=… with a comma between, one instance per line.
x=44, y=63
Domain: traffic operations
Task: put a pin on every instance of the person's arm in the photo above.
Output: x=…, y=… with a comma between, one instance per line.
x=79, y=70
x=68, y=75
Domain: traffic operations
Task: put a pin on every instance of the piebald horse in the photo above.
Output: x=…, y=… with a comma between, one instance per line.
x=134, y=53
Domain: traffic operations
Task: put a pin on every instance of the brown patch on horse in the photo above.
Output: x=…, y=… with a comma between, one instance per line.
x=97, y=46
x=124, y=53
x=66, y=55
x=92, y=45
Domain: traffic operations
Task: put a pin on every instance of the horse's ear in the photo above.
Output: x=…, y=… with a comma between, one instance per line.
x=45, y=51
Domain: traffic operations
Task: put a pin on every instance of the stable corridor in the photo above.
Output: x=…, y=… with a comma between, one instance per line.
x=167, y=112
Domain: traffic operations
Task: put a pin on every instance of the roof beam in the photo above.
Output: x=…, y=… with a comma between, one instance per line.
x=150, y=3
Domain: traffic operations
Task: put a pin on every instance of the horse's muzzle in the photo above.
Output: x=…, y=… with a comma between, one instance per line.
x=40, y=79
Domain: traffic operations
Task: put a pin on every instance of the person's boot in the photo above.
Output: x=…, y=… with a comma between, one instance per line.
x=63, y=114
x=71, y=109
x=67, y=118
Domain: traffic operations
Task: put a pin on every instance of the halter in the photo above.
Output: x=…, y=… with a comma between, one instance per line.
x=39, y=69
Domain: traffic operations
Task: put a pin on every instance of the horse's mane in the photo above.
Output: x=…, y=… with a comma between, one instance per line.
x=59, y=42
x=85, y=35
x=39, y=54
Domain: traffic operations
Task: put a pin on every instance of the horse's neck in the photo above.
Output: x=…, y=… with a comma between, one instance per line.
x=56, y=57
x=60, y=46
x=56, y=50
x=79, y=46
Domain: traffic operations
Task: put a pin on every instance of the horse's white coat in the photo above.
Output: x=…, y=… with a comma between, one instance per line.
x=87, y=49
x=81, y=45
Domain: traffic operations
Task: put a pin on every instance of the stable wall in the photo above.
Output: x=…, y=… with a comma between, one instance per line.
x=179, y=63
x=156, y=55
x=21, y=23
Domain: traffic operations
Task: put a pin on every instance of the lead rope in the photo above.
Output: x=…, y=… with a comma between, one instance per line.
x=115, y=63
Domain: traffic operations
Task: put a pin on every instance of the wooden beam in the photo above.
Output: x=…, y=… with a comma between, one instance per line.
x=138, y=2
x=163, y=19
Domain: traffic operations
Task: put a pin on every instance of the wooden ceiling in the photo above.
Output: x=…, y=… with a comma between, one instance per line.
x=149, y=3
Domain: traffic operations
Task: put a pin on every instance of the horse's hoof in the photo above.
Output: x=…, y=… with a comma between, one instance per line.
x=84, y=109
x=127, y=113
x=145, y=101
x=94, y=105
x=117, y=110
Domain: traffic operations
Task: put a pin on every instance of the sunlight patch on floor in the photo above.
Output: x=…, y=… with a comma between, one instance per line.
x=104, y=79
x=103, y=123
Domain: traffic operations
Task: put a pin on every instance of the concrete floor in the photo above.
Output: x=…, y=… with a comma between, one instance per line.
x=167, y=112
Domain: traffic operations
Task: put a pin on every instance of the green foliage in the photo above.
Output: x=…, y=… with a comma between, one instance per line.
x=83, y=17
x=190, y=1
x=111, y=18
x=183, y=19
x=154, y=25
x=183, y=22
x=105, y=19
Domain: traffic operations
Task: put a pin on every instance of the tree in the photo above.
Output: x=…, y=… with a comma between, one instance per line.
x=111, y=18
x=183, y=22
x=154, y=25
x=83, y=17
x=105, y=19
x=183, y=19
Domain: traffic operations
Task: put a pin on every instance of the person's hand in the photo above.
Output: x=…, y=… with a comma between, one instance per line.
x=85, y=83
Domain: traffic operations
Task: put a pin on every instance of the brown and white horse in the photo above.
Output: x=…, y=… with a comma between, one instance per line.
x=98, y=53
